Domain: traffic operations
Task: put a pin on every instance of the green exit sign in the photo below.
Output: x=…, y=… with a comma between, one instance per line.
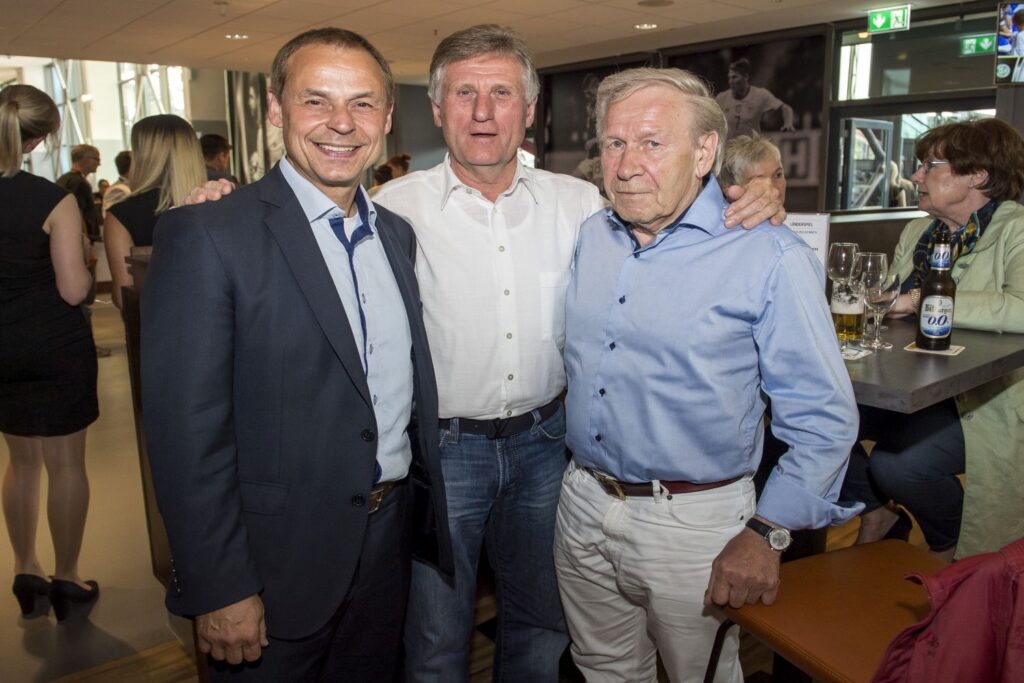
x=889, y=19
x=981, y=44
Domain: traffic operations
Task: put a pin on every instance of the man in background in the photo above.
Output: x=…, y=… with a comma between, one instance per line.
x=217, y=156
x=120, y=189
x=85, y=159
x=744, y=104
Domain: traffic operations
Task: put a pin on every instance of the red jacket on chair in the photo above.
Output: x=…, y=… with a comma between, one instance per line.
x=975, y=631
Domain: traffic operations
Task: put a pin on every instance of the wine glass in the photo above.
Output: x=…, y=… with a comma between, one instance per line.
x=846, y=304
x=875, y=264
x=880, y=293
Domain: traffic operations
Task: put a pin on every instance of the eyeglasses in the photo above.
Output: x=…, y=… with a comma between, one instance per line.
x=930, y=164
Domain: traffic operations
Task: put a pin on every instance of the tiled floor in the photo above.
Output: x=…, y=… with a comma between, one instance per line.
x=129, y=615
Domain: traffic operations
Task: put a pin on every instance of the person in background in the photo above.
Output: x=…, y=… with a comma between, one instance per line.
x=217, y=156
x=47, y=361
x=751, y=156
x=166, y=164
x=970, y=177
x=381, y=175
x=85, y=159
x=744, y=104
x=657, y=518
x=399, y=165
x=120, y=189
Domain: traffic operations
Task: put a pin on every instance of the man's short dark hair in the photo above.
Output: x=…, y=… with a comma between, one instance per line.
x=741, y=66
x=123, y=161
x=334, y=37
x=213, y=145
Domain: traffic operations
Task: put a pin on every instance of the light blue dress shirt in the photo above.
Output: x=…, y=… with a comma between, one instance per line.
x=387, y=349
x=672, y=350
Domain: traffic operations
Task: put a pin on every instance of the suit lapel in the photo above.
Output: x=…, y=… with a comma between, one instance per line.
x=291, y=230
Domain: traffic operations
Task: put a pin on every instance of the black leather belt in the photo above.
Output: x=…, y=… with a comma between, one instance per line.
x=501, y=427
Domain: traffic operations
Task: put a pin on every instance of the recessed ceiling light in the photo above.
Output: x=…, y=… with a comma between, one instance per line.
x=236, y=36
x=655, y=3
x=645, y=27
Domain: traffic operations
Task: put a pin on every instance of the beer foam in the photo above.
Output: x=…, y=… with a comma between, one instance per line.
x=847, y=308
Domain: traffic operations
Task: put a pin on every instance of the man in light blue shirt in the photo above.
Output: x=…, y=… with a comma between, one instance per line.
x=677, y=332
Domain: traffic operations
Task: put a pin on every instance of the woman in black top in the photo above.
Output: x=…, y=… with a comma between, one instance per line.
x=167, y=163
x=47, y=360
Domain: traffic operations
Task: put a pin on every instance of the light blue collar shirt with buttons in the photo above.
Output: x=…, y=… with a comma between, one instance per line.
x=673, y=348
x=387, y=349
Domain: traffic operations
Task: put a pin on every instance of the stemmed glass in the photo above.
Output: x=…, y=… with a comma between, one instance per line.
x=872, y=266
x=880, y=294
x=846, y=304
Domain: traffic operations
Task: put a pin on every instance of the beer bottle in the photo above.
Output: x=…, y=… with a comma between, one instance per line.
x=938, y=292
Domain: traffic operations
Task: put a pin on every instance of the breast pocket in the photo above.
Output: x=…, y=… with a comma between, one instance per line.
x=553, y=286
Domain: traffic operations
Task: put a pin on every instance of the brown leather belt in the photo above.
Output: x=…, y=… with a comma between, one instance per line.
x=378, y=493
x=621, y=489
x=500, y=427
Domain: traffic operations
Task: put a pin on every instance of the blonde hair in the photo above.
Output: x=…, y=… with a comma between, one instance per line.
x=26, y=112
x=166, y=155
x=741, y=153
x=707, y=115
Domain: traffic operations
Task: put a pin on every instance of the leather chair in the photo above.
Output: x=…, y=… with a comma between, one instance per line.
x=836, y=612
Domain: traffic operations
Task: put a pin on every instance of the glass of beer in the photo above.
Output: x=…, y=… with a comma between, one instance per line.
x=847, y=302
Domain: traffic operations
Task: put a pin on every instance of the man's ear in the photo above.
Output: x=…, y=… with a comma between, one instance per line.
x=274, y=113
x=707, y=148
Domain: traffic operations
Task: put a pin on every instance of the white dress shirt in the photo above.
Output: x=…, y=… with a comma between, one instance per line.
x=493, y=278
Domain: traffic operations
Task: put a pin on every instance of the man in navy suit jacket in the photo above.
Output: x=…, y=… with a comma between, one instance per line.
x=290, y=403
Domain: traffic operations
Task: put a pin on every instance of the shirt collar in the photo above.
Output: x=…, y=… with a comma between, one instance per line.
x=316, y=205
x=706, y=213
x=451, y=181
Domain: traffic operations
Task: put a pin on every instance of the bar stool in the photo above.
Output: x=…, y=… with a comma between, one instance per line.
x=836, y=612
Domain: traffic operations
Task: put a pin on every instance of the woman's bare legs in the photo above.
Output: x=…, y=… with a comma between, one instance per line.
x=66, y=506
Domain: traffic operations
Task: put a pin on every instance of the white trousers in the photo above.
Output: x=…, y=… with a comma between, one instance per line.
x=632, y=575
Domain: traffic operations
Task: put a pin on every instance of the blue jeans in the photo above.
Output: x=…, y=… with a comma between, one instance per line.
x=503, y=492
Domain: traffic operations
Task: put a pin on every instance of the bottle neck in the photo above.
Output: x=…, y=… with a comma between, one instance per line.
x=941, y=257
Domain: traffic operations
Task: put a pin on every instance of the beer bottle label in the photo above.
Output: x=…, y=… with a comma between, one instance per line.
x=941, y=258
x=936, y=316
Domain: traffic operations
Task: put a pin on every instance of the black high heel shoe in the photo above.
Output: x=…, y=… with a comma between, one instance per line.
x=33, y=594
x=71, y=600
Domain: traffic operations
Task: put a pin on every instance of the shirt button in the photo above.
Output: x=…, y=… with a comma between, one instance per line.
x=968, y=417
x=501, y=248
x=622, y=299
x=508, y=413
x=367, y=435
x=508, y=335
x=370, y=349
x=612, y=346
x=358, y=500
x=375, y=399
x=601, y=391
x=597, y=438
x=510, y=376
x=507, y=292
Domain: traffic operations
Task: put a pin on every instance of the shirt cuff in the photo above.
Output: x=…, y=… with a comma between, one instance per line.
x=786, y=504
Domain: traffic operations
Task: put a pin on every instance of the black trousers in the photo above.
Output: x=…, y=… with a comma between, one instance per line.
x=362, y=641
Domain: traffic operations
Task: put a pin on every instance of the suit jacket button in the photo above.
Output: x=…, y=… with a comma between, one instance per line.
x=358, y=500
x=367, y=435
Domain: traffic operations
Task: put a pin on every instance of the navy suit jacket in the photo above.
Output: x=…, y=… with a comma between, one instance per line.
x=260, y=428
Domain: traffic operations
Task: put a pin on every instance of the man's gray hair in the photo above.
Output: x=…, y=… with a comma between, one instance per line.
x=707, y=115
x=479, y=41
x=742, y=152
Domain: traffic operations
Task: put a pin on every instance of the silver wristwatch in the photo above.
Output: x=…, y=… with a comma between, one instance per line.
x=777, y=537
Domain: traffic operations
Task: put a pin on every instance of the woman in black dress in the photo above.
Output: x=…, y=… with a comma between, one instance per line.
x=167, y=163
x=47, y=360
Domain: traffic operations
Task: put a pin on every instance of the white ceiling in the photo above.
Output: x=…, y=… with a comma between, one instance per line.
x=192, y=32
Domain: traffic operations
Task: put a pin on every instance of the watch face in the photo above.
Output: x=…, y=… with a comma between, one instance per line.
x=779, y=539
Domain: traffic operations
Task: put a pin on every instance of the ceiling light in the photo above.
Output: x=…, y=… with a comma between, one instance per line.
x=645, y=27
x=236, y=36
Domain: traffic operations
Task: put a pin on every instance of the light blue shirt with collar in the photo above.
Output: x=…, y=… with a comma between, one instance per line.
x=387, y=349
x=673, y=348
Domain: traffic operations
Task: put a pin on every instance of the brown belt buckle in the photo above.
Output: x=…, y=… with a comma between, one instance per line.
x=611, y=483
x=377, y=495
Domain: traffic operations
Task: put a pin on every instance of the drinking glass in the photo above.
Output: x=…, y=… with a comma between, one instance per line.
x=877, y=265
x=880, y=293
x=847, y=304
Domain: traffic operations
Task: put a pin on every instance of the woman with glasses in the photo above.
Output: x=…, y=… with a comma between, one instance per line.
x=47, y=361
x=970, y=176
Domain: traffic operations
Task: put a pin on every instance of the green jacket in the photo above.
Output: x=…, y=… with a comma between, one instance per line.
x=989, y=296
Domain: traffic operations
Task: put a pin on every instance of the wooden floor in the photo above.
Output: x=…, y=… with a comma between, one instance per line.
x=168, y=663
